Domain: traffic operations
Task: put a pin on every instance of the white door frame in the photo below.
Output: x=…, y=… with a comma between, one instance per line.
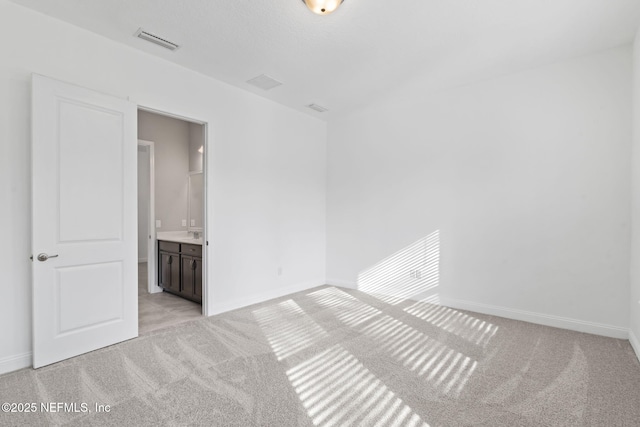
x=207, y=286
x=152, y=256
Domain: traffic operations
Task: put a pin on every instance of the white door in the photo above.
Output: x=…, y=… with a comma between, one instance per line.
x=84, y=217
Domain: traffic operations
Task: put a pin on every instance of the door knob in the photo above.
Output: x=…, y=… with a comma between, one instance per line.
x=44, y=257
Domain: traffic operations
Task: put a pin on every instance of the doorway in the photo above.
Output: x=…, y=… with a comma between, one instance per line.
x=146, y=214
x=171, y=220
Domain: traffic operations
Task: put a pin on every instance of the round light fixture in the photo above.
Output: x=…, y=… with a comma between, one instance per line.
x=322, y=7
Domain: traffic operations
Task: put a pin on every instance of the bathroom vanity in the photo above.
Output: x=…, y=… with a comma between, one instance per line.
x=180, y=265
x=180, y=252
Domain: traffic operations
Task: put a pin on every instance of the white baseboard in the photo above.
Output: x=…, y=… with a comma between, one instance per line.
x=342, y=283
x=13, y=363
x=526, y=316
x=540, y=318
x=635, y=343
x=265, y=296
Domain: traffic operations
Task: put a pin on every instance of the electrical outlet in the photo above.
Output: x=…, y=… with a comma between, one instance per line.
x=279, y=271
x=158, y=223
x=193, y=222
x=184, y=222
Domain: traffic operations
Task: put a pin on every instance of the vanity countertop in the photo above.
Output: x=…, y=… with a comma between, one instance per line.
x=179, y=237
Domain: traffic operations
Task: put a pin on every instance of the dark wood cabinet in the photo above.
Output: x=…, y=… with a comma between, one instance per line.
x=180, y=269
x=169, y=274
x=192, y=277
x=197, y=279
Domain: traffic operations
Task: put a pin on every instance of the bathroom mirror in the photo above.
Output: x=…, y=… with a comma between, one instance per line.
x=196, y=197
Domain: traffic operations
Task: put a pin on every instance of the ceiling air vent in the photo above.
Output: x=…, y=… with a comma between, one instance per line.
x=264, y=82
x=142, y=34
x=318, y=108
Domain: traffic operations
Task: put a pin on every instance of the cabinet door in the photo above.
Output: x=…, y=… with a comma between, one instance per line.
x=187, y=276
x=169, y=274
x=191, y=278
x=197, y=279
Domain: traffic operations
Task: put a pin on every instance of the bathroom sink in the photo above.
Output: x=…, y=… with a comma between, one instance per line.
x=179, y=236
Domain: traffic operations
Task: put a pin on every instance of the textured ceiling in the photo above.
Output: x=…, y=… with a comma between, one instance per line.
x=365, y=48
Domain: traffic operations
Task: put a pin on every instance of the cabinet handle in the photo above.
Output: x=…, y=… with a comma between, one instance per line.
x=170, y=261
x=193, y=264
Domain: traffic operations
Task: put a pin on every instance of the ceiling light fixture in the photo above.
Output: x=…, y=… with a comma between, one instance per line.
x=322, y=7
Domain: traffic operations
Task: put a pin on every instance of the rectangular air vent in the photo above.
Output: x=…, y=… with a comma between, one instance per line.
x=264, y=82
x=142, y=34
x=318, y=108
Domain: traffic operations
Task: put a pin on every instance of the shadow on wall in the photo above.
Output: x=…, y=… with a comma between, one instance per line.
x=411, y=273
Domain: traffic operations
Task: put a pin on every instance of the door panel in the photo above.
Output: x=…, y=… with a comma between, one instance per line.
x=91, y=146
x=88, y=296
x=84, y=156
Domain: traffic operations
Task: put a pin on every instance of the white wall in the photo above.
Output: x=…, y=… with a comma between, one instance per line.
x=634, y=336
x=143, y=202
x=171, y=158
x=525, y=177
x=267, y=164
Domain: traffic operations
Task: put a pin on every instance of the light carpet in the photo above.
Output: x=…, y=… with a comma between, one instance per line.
x=337, y=357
